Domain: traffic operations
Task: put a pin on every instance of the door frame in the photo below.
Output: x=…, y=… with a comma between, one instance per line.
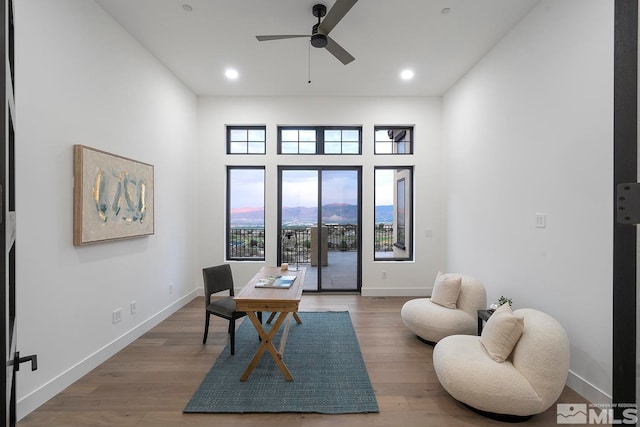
x=7, y=216
x=625, y=170
x=319, y=169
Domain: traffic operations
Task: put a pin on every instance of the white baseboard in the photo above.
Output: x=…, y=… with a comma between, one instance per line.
x=587, y=390
x=35, y=399
x=396, y=292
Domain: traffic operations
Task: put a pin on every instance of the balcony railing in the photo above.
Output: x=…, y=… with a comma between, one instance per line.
x=248, y=243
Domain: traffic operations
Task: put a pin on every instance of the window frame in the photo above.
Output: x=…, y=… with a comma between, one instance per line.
x=409, y=206
x=394, y=152
x=230, y=128
x=228, y=229
x=320, y=140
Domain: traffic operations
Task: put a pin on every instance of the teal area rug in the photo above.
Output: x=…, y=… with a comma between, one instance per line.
x=323, y=356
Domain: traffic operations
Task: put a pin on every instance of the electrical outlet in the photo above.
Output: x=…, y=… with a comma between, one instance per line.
x=541, y=220
x=133, y=307
x=170, y=288
x=116, y=316
x=384, y=274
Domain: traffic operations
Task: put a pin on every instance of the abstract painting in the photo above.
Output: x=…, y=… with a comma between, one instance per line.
x=112, y=197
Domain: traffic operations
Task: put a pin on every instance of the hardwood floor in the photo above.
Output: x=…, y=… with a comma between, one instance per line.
x=150, y=382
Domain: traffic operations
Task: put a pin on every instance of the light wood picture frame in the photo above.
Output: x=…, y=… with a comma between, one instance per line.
x=112, y=197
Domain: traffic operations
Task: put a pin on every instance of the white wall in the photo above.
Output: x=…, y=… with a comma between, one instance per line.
x=529, y=130
x=81, y=79
x=403, y=278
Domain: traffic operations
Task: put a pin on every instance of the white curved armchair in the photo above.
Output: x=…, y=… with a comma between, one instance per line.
x=527, y=383
x=432, y=322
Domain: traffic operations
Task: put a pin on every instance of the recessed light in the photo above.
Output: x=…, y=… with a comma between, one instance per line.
x=407, y=74
x=231, y=74
x=187, y=7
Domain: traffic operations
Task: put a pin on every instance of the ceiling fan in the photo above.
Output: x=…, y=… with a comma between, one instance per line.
x=320, y=32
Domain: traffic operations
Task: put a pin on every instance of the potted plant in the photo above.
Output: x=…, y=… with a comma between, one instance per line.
x=502, y=300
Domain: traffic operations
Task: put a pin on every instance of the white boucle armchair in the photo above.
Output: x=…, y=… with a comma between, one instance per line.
x=431, y=322
x=527, y=383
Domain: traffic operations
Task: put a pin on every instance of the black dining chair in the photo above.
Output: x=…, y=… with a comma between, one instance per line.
x=218, y=279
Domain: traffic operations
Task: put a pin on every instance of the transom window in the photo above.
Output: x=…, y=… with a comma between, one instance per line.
x=246, y=139
x=393, y=140
x=319, y=140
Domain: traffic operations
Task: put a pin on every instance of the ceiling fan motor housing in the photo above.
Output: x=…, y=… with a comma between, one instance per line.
x=318, y=40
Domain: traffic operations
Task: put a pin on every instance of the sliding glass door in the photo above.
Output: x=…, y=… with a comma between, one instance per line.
x=319, y=218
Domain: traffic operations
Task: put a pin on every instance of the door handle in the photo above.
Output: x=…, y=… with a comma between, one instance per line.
x=19, y=360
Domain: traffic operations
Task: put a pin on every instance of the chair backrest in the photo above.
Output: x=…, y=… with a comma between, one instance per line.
x=542, y=354
x=472, y=297
x=217, y=279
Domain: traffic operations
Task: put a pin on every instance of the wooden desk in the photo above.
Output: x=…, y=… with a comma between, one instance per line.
x=281, y=301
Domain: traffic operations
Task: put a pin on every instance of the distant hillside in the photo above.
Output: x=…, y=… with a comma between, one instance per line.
x=247, y=217
x=335, y=213
x=384, y=214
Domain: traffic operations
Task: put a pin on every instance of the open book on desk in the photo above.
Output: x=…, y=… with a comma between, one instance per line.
x=281, y=282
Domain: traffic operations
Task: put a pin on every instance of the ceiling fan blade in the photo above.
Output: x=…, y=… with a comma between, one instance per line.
x=267, y=38
x=338, y=51
x=337, y=12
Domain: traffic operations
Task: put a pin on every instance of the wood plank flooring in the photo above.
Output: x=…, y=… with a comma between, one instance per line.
x=150, y=382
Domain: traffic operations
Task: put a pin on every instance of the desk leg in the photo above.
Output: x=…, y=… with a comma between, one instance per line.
x=267, y=344
x=285, y=334
x=295, y=316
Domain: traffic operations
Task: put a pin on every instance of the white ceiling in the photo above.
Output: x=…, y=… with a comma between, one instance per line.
x=385, y=37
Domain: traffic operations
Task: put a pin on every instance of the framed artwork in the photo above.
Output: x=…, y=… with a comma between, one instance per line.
x=112, y=197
